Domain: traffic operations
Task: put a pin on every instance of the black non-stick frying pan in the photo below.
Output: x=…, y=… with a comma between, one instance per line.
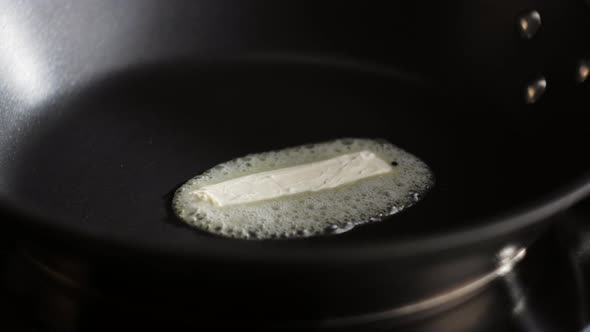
x=106, y=108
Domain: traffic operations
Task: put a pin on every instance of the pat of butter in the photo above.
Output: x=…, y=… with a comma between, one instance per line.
x=315, y=176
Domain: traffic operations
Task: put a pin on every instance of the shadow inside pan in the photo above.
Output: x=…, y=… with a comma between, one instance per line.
x=105, y=159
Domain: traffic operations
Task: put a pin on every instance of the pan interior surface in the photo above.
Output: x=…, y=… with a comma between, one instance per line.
x=105, y=160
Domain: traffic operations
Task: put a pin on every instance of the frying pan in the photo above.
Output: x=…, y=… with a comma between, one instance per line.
x=106, y=108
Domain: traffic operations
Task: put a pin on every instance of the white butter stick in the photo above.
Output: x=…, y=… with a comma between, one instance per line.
x=315, y=176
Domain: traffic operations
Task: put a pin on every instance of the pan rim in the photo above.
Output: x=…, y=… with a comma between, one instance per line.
x=494, y=227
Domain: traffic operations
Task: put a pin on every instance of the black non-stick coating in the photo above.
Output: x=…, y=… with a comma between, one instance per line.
x=106, y=108
x=104, y=160
x=96, y=131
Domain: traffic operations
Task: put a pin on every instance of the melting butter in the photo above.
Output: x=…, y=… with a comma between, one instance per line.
x=311, y=177
x=315, y=189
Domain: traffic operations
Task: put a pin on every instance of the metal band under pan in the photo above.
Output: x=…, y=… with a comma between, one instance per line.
x=507, y=259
